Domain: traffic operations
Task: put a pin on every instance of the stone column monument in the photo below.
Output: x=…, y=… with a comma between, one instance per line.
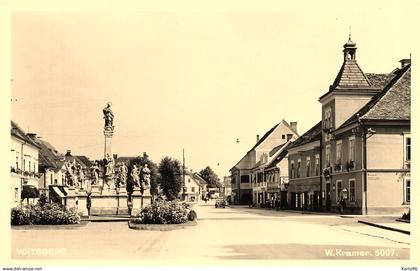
x=108, y=157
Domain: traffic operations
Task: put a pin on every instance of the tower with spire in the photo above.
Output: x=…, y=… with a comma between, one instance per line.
x=350, y=90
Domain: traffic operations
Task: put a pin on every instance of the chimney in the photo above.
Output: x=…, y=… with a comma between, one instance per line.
x=115, y=156
x=293, y=124
x=145, y=155
x=258, y=138
x=404, y=62
x=31, y=135
x=68, y=153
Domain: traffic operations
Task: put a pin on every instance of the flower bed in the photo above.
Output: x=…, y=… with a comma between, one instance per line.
x=161, y=213
x=44, y=214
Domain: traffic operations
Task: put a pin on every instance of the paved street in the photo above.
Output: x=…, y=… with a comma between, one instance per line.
x=221, y=234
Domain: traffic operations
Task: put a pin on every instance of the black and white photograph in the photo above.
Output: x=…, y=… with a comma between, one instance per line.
x=209, y=135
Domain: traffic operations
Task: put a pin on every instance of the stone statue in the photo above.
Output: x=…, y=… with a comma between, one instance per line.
x=123, y=173
x=109, y=166
x=70, y=173
x=80, y=175
x=135, y=175
x=95, y=173
x=145, y=173
x=109, y=117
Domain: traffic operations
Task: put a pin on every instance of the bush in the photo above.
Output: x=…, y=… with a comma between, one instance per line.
x=162, y=212
x=406, y=216
x=45, y=214
x=192, y=215
x=19, y=216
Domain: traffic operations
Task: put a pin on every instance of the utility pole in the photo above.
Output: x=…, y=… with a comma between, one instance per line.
x=183, y=174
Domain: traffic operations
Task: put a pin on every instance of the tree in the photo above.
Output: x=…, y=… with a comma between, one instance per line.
x=170, y=177
x=210, y=177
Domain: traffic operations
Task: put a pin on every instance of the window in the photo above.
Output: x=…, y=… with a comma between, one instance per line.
x=298, y=170
x=289, y=136
x=16, y=194
x=338, y=152
x=17, y=162
x=352, y=149
x=327, y=118
x=316, y=165
x=29, y=168
x=193, y=189
x=328, y=155
x=407, y=148
x=407, y=190
x=338, y=190
x=244, y=178
x=24, y=164
x=352, y=190
x=292, y=170
x=308, y=166
x=283, y=136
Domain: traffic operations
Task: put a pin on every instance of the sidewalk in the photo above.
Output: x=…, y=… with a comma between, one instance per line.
x=246, y=208
x=387, y=223
x=120, y=218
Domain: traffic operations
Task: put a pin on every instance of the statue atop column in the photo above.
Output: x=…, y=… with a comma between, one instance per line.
x=109, y=118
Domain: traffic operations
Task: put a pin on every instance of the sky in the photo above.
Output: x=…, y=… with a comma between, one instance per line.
x=196, y=81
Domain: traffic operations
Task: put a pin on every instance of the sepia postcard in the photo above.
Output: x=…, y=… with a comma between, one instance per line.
x=186, y=134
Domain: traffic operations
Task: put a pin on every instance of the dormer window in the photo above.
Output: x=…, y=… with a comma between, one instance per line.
x=327, y=118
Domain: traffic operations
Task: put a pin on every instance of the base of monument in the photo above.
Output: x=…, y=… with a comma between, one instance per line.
x=108, y=205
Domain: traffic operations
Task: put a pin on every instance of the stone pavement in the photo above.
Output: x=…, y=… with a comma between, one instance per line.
x=221, y=234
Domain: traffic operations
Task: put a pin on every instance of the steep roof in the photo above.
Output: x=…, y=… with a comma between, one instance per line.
x=17, y=132
x=48, y=156
x=282, y=152
x=378, y=80
x=393, y=103
x=200, y=179
x=263, y=138
x=350, y=76
x=75, y=158
x=311, y=135
x=85, y=160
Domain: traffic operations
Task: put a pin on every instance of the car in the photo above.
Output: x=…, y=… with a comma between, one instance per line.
x=220, y=204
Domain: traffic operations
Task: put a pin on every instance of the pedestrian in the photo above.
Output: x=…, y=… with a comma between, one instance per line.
x=89, y=202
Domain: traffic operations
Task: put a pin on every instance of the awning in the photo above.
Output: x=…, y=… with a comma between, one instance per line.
x=58, y=192
x=29, y=192
x=66, y=190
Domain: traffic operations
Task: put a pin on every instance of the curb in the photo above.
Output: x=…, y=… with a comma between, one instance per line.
x=106, y=219
x=383, y=227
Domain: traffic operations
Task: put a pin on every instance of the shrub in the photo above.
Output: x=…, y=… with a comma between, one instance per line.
x=46, y=214
x=42, y=199
x=20, y=216
x=192, y=215
x=162, y=212
x=406, y=216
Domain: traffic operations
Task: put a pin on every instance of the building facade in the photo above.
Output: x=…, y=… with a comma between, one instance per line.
x=270, y=178
x=365, y=142
x=243, y=172
x=23, y=167
x=304, y=189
